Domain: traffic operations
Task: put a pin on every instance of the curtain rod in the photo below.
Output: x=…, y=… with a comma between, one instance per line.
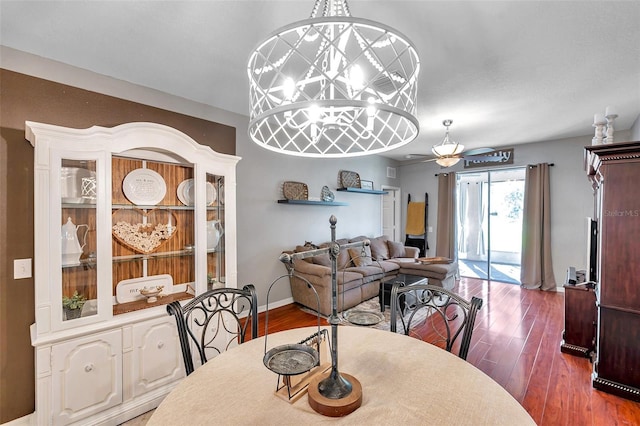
x=491, y=170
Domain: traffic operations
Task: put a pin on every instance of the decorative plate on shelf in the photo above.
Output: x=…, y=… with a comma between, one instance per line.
x=144, y=187
x=132, y=289
x=295, y=191
x=185, y=192
x=349, y=179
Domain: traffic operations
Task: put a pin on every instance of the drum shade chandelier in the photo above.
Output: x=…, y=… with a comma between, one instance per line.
x=333, y=86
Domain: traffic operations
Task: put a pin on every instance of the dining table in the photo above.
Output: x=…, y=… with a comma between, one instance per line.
x=404, y=381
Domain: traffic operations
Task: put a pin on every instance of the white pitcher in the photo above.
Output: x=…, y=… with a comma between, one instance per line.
x=215, y=231
x=71, y=248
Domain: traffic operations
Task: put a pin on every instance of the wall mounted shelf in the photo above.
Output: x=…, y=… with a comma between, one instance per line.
x=313, y=203
x=362, y=191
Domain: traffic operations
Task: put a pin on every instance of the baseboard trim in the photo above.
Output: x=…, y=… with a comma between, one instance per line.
x=27, y=420
x=277, y=304
x=615, y=388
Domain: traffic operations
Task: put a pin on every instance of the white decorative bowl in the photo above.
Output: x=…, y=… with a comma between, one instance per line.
x=151, y=293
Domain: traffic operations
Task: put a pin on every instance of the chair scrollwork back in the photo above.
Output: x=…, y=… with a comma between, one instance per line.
x=448, y=315
x=214, y=321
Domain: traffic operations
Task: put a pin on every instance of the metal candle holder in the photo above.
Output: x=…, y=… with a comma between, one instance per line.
x=335, y=386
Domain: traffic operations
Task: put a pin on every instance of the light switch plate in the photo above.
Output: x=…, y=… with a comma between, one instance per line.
x=21, y=268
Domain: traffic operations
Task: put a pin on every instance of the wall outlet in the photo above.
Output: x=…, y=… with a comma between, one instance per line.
x=430, y=229
x=21, y=268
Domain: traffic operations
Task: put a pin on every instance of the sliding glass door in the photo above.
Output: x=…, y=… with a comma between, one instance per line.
x=489, y=224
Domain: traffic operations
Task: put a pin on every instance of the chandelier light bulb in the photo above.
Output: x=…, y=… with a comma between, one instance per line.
x=371, y=108
x=356, y=78
x=289, y=88
x=314, y=113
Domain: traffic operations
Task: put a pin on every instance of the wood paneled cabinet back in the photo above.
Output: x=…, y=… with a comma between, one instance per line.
x=614, y=171
x=580, y=314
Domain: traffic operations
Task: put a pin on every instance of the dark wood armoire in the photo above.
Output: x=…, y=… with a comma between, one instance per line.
x=614, y=170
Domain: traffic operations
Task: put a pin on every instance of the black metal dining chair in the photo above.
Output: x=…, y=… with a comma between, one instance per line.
x=215, y=320
x=434, y=314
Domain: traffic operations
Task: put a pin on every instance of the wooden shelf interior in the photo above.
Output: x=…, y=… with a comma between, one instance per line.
x=123, y=308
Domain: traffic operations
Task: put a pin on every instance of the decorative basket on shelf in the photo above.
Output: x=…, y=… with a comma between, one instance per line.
x=349, y=179
x=295, y=191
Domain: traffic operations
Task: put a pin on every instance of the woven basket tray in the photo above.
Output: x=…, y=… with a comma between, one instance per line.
x=295, y=191
x=349, y=179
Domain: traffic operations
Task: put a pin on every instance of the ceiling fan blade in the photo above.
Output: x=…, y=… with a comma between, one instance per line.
x=484, y=158
x=477, y=151
x=415, y=156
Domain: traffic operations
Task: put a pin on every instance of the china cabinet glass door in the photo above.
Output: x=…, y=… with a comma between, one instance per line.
x=215, y=231
x=78, y=197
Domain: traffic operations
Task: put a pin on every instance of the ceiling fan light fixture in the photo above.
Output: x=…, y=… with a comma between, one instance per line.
x=334, y=86
x=447, y=161
x=447, y=147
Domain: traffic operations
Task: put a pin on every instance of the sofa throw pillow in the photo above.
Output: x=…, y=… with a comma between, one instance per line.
x=358, y=259
x=344, y=260
x=379, y=248
x=323, y=259
x=395, y=249
x=300, y=249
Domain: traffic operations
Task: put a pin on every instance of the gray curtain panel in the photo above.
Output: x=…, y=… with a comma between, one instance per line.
x=445, y=242
x=537, y=269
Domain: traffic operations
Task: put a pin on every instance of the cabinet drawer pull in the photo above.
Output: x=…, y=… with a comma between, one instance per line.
x=160, y=345
x=88, y=368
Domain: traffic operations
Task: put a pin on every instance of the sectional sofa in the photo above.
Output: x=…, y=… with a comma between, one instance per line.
x=360, y=272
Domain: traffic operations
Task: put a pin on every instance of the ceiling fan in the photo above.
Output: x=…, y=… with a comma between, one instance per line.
x=448, y=153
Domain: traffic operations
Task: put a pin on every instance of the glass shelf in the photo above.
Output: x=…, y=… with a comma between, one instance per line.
x=176, y=253
x=141, y=207
x=78, y=205
x=91, y=262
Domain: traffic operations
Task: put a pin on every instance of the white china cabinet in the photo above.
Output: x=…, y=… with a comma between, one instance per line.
x=127, y=219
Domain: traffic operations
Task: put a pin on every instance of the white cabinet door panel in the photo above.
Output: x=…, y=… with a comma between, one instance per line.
x=157, y=359
x=87, y=376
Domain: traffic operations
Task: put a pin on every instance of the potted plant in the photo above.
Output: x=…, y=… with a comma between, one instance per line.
x=73, y=305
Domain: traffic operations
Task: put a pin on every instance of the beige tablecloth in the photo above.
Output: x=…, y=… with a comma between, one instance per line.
x=404, y=381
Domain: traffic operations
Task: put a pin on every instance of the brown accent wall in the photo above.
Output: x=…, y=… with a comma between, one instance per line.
x=25, y=98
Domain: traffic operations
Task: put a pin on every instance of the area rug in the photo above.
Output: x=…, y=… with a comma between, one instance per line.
x=372, y=306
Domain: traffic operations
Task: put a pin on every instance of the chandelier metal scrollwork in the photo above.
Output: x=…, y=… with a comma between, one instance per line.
x=333, y=86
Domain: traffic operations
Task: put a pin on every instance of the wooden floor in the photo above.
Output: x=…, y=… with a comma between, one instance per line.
x=516, y=341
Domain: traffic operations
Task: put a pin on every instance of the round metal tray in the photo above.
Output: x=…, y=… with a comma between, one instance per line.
x=364, y=317
x=289, y=360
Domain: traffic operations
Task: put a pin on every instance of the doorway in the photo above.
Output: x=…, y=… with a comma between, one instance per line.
x=489, y=223
x=391, y=213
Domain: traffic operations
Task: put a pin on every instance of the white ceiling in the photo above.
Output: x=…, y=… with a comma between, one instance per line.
x=505, y=72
